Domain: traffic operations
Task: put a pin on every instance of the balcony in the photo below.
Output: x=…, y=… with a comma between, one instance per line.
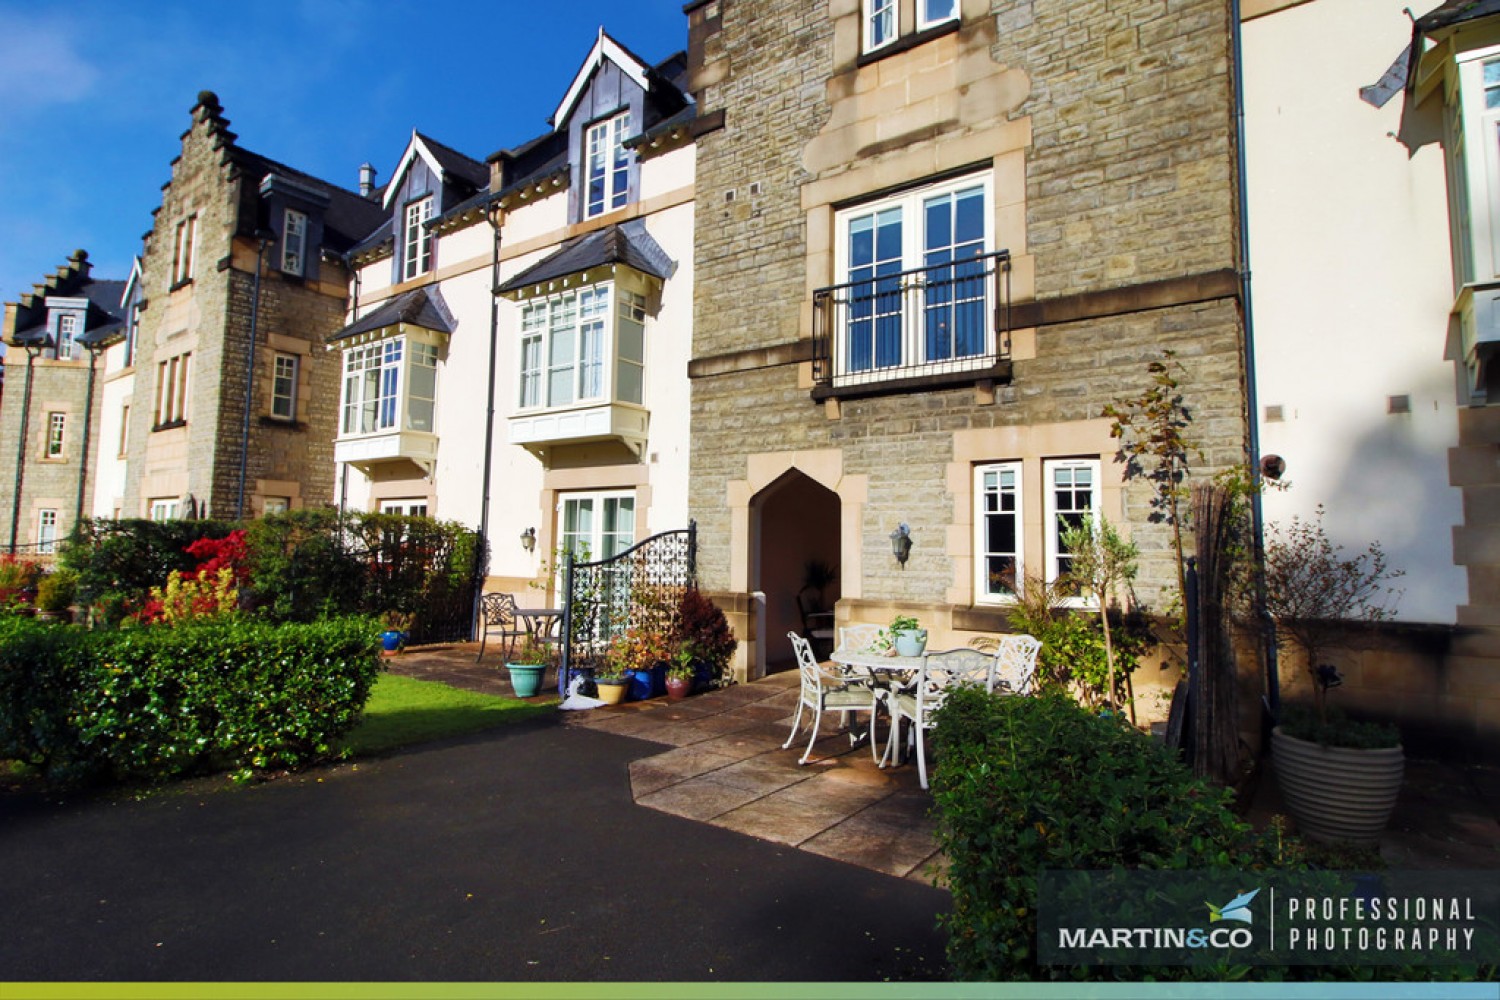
x=539, y=431
x=929, y=327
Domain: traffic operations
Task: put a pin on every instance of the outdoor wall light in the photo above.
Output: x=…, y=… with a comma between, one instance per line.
x=528, y=539
x=901, y=543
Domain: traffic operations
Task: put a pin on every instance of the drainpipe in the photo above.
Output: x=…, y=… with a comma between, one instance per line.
x=32, y=350
x=1252, y=394
x=264, y=240
x=88, y=423
x=489, y=417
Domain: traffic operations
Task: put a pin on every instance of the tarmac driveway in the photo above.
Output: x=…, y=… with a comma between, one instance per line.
x=516, y=855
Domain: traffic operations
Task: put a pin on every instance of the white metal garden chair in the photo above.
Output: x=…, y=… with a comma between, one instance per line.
x=825, y=692
x=941, y=673
x=859, y=636
x=1015, y=664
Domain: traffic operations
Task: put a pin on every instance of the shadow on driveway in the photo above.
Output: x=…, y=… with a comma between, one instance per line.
x=513, y=855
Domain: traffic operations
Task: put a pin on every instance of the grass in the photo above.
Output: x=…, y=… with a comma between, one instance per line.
x=403, y=710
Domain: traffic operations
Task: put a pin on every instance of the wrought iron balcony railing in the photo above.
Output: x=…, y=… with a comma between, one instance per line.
x=938, y=320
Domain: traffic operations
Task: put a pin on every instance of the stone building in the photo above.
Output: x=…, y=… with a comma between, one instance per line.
x=232, y=405
x=54, y=334
x=935, y=238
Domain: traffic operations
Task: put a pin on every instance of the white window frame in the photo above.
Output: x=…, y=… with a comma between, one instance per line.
x=880, y=23
x=1051, y=529
x=67, y=336
x=926, y=20
x=606, y=157
x=46, y=531
x=379, y=393
x=285, y=369
x=57, y=435
x=172, y=389
x=555, y=329
x=405, y=506
x=417, y=240
x=183, y=250
x=597, y=546
x=983, y=592
x=164, y=509
x=910, y=204
x=294, y=242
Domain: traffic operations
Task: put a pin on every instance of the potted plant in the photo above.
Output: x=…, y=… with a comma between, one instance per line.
x=397, y=625
x=54, y=594
x=907, y=635
x=703, y=629
x=680, y=674
x=614, y=676
x=1340, y=779
x=528, y=666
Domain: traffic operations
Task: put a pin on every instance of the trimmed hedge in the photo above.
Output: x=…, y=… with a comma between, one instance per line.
x=153, y=703
x=1024, y=785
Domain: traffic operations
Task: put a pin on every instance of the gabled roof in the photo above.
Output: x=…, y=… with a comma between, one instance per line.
x=445, y=161
x=424, y=307
x=604, y=48
x=625, y=243
x=347, y=220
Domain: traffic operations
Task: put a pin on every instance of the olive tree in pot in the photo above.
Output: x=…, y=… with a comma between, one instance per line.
x=1340, y=778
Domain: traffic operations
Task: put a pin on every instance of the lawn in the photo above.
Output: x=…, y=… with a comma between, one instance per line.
x=403, y=710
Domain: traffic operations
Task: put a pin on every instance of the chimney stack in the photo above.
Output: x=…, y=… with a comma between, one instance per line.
x=366, y=180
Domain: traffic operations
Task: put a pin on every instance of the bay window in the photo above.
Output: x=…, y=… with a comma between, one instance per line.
x=389, y=385
x=582, y=346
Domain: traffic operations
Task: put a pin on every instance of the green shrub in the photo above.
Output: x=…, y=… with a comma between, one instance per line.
x=152, y=703
x=119, y=561
x=1024, y=785
x=300, y=570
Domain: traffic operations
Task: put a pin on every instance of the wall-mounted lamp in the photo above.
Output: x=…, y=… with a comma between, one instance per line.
x=1272, y=466
x=528, y=539
x=901, y=543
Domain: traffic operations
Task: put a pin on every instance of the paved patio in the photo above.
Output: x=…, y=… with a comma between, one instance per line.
x=726, y=767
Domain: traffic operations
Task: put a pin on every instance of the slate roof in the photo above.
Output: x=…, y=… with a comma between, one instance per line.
x=1455, y=12
x=424, y=307
x=103, y=319
x=626, y=243
x=453, y=162
x=349, y=218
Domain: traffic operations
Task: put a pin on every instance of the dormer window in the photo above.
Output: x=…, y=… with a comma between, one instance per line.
x=608, y=165
x=67, y=334
x=293, y=241
x=417, y=242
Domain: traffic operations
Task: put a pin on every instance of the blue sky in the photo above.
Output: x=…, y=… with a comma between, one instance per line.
x=94, y=95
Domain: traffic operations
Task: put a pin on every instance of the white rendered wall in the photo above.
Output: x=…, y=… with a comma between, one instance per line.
x=115, y=391
x=1352, y=287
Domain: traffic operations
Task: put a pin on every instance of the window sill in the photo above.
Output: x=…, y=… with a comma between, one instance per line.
x=180, y=284
x=999, y=372
x=169, y=425
x=283, y=422
x=908, y=42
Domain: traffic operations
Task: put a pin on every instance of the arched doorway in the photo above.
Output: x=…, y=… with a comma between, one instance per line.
x=794, y=525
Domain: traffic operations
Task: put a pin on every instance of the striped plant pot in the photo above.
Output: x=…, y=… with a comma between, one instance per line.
x=1337, y=793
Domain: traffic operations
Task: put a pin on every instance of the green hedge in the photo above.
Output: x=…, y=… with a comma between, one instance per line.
x=1024, y=785
x=154, y=702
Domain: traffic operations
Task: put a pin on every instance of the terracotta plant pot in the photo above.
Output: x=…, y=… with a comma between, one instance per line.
x=679, y=688
x=1337, y=793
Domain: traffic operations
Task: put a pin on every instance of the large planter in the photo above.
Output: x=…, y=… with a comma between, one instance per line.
x=679, y=688
x=612, y=692
x=911, y=642
x=1337, y=793
x=526, y=678
x=392, y=642
x=650, y=683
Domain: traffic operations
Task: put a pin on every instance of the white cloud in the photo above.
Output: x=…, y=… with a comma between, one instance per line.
x=40, y=65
